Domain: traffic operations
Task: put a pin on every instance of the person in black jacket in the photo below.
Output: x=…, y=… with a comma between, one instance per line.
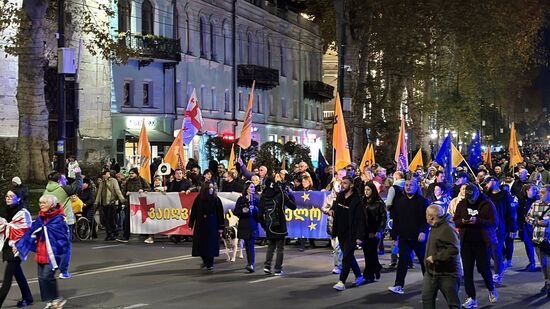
x=179, y=184
x=375, y=220
x=13, y=266
x=207, y=222
x=87, y=195
x=273, y=201
x=247, y=210
x=349, y=227
x=529, y=195
x=412, y=228
x=135, y=183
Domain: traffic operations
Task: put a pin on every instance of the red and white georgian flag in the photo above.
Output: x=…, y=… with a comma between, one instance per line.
x=192, y=123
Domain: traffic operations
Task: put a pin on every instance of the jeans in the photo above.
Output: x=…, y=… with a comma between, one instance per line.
x=66, y=258
x=126, y=222
x=498, y=257
x=272, y=245
x=476, y=254
x=372, y=265
x=406, y=247
x=47, y=282
x=109, y=212
x=527, y=238
x=508, y=248
x=449, y=286
x=13, y=269
x=348, y=260
x=336, y=252
x=250, y=251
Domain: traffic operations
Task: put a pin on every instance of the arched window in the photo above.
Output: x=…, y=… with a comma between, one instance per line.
x=176, y=21
x=282, y=59
x=188, y=34
x=269, y=53
x=124, y=13
x=227, y=44
x=250, y=47
x=203, y=38
x=147, y=19
x=213, y=54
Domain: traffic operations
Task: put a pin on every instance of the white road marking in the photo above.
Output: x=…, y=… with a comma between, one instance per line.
x=85, y=295
x=135, y=306
x=103, y=247
x=265, y=279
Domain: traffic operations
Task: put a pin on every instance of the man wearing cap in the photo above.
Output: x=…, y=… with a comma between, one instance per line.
x=22, y=191
x=461, y=179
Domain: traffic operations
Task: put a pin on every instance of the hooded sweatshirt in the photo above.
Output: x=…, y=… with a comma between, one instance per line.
x=443, y=246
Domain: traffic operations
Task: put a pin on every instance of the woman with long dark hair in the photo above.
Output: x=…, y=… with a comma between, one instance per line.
x=247, y=209
x=375, y=214
x=18, y=220
x=207, y=222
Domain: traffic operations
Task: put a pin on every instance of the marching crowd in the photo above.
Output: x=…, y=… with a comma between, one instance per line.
x=450, y=227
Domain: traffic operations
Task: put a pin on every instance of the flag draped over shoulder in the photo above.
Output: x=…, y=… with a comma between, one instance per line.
x=416, y=161
x=474, y=152
x=144, y=151
x=487, y=157
x=192, y=122
x=515, y=154
x=176, y=154
x=444, y=157
x=246, y=133
x=401, y=153
x=340, y=137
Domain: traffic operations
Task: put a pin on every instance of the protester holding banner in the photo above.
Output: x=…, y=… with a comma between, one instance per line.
x=135, y=183
x=179, y=184
x=109, y=197
x=273, y=201
x=247, y=210
x=375, y=214
x=207, y=222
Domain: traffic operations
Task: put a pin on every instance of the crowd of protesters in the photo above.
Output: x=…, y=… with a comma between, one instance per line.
x=450, y=227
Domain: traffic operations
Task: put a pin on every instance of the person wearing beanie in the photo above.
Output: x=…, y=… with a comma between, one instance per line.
x=22, y=191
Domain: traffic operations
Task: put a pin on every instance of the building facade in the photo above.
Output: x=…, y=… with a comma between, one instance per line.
x=217, y=48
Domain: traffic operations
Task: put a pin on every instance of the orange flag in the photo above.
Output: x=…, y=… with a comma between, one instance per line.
x=249, y=165
x=144, y=151
x=176, y=154
x=368, y=157
x=246, y=133
x=416, y=161
x=401, y=154
x=340, y=137
x=513, y=148
x=487, y=157
x=231, y=162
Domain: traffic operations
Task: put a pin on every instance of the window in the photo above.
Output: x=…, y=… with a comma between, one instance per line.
x=312, y=110
x=241, y=103
x=147, y=95
x=258, y=103
x=307, y=111
x=176, y=22
x=214, y=103
x=318, y=114
x=272, y=107
x=124, y=13
x=268, y=54
x=213, y=55
x=294, y=62
x=226, y=101
x=147, y=19
x=227, y=44
x=189, y=93
x=179, y=99
x=202, y=101
x=295, y=109
x=241, y=48
x=127, y=94
x=250, y=49
x=282, y=59
x=188, y=34
x=203, y=38
x=283, y=108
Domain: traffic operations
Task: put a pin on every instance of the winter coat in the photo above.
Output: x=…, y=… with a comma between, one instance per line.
x=354, y=227
x=179, y=186
x=22, y=191
x=272, y=210
x=374, y=212
x=505, y=223
x=410, y=216
x=444, y=247
x=486, y=220
x=206, y=220
x=108, y=192
x=62, y=194
x=248, y=221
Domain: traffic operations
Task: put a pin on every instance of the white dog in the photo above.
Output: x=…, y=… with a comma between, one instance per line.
x=231, y=240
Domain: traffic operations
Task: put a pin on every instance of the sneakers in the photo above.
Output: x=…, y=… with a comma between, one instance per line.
x=267, y=270
x=359, y=281
x=64, y=275
x=470, y=303
x=340, y=286
x=278, y=273
x=24, y=303
x=336, y=270
x=122, y=240
x=210, y=268
x=497, y=279
x=530, y=267
x=508, y=264
x=149, y=240
x=250, y=268
x=397, y=289
x=545, y=288
x=56, y=304
x=493, y=296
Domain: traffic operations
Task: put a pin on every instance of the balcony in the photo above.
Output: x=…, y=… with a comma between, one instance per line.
x=265, y=78
x=153, y=46
x=318, y=91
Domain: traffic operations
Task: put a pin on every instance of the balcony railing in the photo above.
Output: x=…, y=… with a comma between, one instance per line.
x=265, y=78
x=318, y=91
x=153, y=46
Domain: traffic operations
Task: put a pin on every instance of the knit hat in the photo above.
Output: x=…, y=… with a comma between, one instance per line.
x=16, y=180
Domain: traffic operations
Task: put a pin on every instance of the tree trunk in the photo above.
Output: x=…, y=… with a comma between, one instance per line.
x=32, y=142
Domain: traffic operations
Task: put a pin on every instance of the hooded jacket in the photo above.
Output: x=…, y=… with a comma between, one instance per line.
x=444, y=247
x=486, y=220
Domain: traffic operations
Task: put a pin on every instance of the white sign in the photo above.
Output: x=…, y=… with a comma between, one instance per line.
x=164, y=169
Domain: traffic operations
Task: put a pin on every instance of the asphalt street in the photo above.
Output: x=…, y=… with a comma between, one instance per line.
x=164, y=275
